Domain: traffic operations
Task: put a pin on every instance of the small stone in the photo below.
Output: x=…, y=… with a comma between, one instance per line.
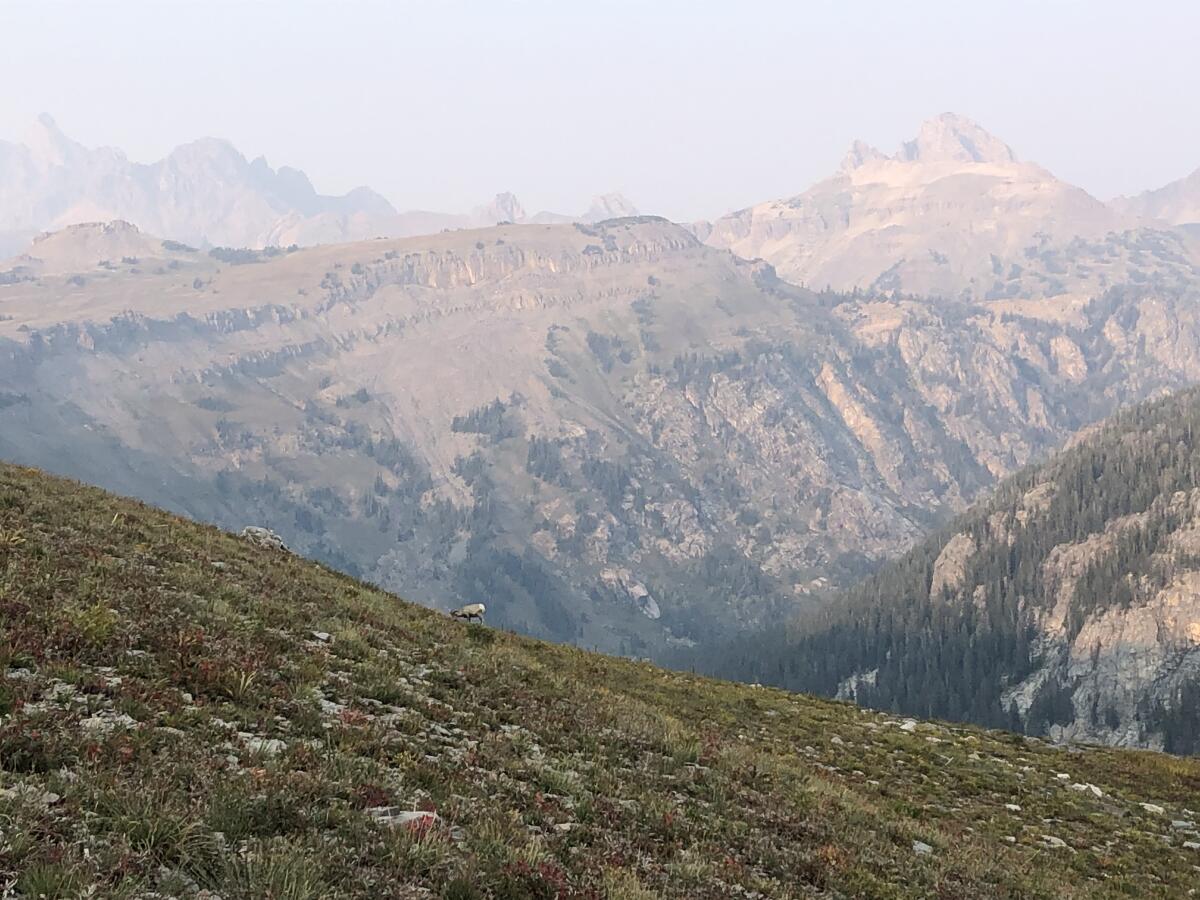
x=104, y=723
x=1183, y=824
x=564, y=827
x=1191, y=845
x=921, y=848
x=267, y=746
x=836, y=740
x=323, y=636
x=909, y=725
x=1012, y=807
x=1051, y=841
x=395, y=815
x=1153, y=808
x=1084, y=788
x=1063, y=776
x=1009, y=839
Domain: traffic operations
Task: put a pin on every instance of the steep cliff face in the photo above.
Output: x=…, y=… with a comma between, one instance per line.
x=1067, y=604
x=613, y=433
x=954, y=213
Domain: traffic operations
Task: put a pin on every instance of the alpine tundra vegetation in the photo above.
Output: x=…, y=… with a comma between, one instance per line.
x=188, y=713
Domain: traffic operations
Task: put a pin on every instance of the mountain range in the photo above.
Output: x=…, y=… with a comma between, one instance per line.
x=623, y=433
x=618, y=435
x=207, y=194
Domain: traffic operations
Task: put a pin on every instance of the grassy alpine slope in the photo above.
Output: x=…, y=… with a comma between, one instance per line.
x=184, y=712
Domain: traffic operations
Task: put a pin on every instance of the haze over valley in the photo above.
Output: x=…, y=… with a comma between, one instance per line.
x=489, y=451
x=625, y=433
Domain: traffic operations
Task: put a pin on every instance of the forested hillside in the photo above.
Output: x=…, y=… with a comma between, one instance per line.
x=1068, y=603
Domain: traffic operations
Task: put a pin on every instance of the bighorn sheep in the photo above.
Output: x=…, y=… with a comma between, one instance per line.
x=469, y=612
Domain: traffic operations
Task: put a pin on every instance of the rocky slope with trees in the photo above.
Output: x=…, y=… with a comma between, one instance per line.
x=1066, y=604
x=612, y=434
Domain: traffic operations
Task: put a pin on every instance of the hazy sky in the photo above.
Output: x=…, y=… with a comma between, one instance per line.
x=689, y=108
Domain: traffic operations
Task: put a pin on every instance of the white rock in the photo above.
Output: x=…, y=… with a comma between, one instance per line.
x=1012, y=807
x=322, y=636
x=1087, y=788
x=268, y=746
x=394, y=815
x=105, y=722
x=909, y=725
x=1051, y=841
x=264, y=537
x=1153, y=808
x=921, y=848
x=1063, y=776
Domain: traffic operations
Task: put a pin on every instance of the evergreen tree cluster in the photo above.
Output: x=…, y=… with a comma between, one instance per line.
x=954, y=652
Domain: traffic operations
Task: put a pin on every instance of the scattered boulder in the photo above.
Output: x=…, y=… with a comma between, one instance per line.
x=264, y=538
x=921, y=848
x=1153, y=808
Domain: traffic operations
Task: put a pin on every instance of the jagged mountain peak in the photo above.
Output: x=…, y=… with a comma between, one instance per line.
x=204, y=192
x=505, y=207
x=613, y=205
x=859, y=154
x=953, y=137
x=48, y=146
x=953, y=213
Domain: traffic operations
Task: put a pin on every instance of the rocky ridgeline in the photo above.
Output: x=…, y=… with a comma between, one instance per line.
x=655, y=441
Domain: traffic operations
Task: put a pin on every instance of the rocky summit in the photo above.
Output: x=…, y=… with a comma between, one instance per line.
x=191, y=714
x=953, y=213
